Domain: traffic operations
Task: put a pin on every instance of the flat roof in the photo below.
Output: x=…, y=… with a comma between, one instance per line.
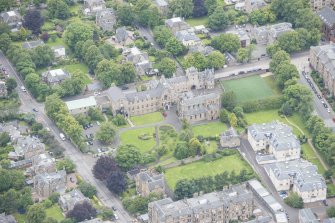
x=81, y=103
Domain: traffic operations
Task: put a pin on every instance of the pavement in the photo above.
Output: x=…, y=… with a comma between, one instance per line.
x=83, y=162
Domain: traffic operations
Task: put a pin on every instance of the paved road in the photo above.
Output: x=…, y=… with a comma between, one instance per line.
x=83, y=162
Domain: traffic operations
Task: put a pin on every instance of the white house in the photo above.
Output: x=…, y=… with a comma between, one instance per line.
x=81, y=105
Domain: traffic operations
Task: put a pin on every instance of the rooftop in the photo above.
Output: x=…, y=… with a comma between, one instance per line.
x=81, y=103
x=327, y=15
x=306, y=215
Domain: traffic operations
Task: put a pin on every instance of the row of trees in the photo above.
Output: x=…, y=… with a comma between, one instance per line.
x=165, y=38
x=198, y=60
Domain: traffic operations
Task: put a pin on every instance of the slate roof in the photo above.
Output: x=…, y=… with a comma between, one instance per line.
x=116, y=94
x=7, y=218
x=327, y=15
x=185, y=35
x=106, y=19
x=306, y=215
x=32, y=44
x=154, y=181
x=326, y=55
x=121, y=34
x=55, y=76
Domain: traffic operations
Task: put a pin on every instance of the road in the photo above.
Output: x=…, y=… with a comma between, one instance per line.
x=83, y=162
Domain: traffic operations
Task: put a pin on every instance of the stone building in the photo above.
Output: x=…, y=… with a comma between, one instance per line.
x=198, y=108
x=68, y=200
x=327, y=16
x=26, y=147
x=230, y=139
x=106, y=19
x=148, y=182
x=47, y=183
x=176, y=24
x=322, y=59
x=252, y=5
x=235, y=203
x=317, y=5
x=269, y=34
x=54, y=77
x=7, y=218
x=301, y=176
x=161, y=94
x=42, y=163
x=91, y=7
x=12, y=19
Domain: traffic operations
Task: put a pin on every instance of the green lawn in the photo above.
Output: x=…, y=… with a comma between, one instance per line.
x=198, y=21
x=55, y=212
x=209, y=129
x=81, y=67
x=20, y=218
x=132, y=137
x=272, y=115
x=147, y=119
x=199, y=169
x=309, y=155
x=249, y=88
x=331, y=189
x=57, y=42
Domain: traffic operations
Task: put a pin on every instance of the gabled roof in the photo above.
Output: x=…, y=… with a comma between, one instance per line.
x=327, y=16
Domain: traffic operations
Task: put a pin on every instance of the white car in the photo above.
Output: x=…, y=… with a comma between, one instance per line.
x=116, y=217
x=328, y=110
x=23, y=89
x=96, y=93
x=98, y=123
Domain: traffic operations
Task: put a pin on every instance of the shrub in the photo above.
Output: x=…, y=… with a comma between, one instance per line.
x=274, y=102
x=294, y=200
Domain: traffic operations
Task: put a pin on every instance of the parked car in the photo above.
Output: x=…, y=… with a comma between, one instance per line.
x=328, y=110
x=35, y=110
x=98, y=123
x=319, y=96
x=325, y=105
x=114, y=208
x=23, y=89
x=325, y=202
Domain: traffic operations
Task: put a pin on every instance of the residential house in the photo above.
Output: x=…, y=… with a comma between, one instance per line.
x=81, y=105
x=26, y=147
x=306, y=215
x=240, y=6
x=12, y=19
x=122, y=36
x=106, y=20
x=3, y=89
x=68, y=200
x=230, y=139
x=176, y=24
x=327, y=16
x=91, y=7
x=274, y=138
x=243, y=37
x=198, y=108
x=54, y=77
x=301, y=176
x=139, y=59
x=269, y=34
x=205, y=50
x=317, y=5
x=322, y=60
x=149, y=182
x=252, y=5
x=188, y=38
x=144, y=67
x=47, y=183
x=234, y=203
x=32, y=44
x=7, y=218
x=163, y=6
x=161, y=94
x=42, y=163
x=59, y=51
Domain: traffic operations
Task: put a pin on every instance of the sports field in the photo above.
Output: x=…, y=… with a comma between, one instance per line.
x=250, y=88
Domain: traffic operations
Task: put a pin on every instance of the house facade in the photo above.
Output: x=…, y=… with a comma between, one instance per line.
x=148, y=182
x=317, y=5
x=42, y=163
x=301, y=176
x=26, y=147
x=327, y=16
x=235, y=203
x=322, y=60
x=47, y=183
x=176, y=24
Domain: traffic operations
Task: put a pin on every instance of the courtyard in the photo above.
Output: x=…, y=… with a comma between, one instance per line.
x=142, y=138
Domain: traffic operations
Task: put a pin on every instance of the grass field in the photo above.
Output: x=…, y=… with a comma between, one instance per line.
x=81, y=67
x=198, y=21
x=250, y=88
x=55, y=212
x=331, y=189
x=271, y=115
x=131, y=137
x=147, y=119
x=199, y=169
x=309, y=155
x=57, y=42
x=209, y=129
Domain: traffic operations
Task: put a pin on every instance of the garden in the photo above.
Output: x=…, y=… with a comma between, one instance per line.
x=209, y=129
x=143, y=138
x=147, y=118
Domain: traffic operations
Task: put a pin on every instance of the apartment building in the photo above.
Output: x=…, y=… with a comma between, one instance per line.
x=148, y=182
x=301, y=176
x=42, y=163
x=327, y=16
x=235, y=203
x=322, y=59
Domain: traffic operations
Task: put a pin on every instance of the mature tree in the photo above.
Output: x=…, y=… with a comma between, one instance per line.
x=224, y=116
x=167, y=67
x=307, y=19
x=299, y=98
x=181, y=8
x=4, y=28
x=36, y=214
x=294, y=200
x=95, y=114
x=197, y=60
x=82, y=211
x=4, y=139
x=128, y=156
x=127, y=75
x=228, y=100
x=116, y=182
x=199, y=8
x=108, y=72
x=183, y=151
x=43, y=56
x=10, y=201
x=271, y=49
x=108, y=51
x=150, y=17
x=106, y=133
x=226, y=42
x=262, y=16
x=54, y=197
x=184, y=188
x=194, y=146
x=125, y=15
x=210, y=6
x=25, y=199
x=285, y=71
x=233, y=120
x=308, y=38
x=288, y=9
x=5, y=41
x=87, y=189
x=119, y=120
x=11, y=179
x=162, y=34
x=216, y=60
x=77, y=31
x=238, y=111
x=93, y=56
x=186, y=135
x=58, y=9
x=278, y=58
x=11, y=84
x=331, y=212
x=5, y=5
x=218, y=20
x=175, y=47
x=242, y=55
x=33, y=21
x=289, y=41
x=104, y=166
x=67, y=165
